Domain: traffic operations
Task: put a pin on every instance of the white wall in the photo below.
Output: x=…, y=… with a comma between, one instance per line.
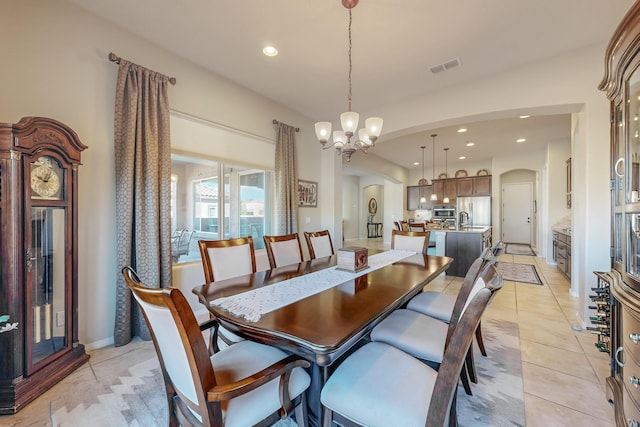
x=56, y=66
x=351, y=206
x=395, y=195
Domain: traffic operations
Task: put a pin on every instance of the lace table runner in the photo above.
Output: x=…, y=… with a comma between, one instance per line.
x=253, y=304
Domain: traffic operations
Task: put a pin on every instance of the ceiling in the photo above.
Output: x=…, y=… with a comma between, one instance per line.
x=395, y=43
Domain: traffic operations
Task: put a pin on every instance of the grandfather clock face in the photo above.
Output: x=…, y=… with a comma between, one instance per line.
x=47, y=179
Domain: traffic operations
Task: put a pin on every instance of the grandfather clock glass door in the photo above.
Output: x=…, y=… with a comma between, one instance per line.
x=47, y=273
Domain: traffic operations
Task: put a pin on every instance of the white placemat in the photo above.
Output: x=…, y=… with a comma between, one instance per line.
x=253, y=304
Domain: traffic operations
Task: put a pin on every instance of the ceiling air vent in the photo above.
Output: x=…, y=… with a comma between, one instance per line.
x=445, y=66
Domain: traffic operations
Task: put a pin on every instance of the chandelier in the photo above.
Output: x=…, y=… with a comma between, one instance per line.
x=347, y=141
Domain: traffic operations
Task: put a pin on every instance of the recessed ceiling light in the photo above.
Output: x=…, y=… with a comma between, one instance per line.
x=526, y=116
x=462, y=157
x=462, y=130
x=270, y=51
x=416, y=163
x=521, y=140
x=470, y=143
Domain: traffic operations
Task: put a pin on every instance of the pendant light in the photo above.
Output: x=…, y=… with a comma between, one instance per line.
x=434, y=196
x=423, y=180
x=446, y=175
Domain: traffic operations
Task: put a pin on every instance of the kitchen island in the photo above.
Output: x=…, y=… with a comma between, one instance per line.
x=463, y=244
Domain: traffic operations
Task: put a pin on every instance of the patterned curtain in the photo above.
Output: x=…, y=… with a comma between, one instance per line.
x=143, y=189
x=286, y=181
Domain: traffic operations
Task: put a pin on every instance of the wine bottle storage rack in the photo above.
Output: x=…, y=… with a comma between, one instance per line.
x=600, y=320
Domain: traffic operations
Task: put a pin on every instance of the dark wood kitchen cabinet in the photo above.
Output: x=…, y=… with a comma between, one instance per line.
x=474, y=186
x=39, y=160
x=445, y=187
x=414, y=193
x=563, y=253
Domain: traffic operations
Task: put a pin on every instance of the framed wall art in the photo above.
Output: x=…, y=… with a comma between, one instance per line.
x=307, y=194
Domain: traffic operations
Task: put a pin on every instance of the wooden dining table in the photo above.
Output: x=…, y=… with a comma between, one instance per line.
x=323, y=327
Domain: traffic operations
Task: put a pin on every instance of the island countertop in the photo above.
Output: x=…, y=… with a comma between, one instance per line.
x=463, y=229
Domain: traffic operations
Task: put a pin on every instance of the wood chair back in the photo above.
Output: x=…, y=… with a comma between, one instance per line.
x=496, y=250
x=319, y=243
x=183, y=354
x=194, y=395
x=441, y=407
x=417, y=226
x=481, y=273
x=417, y=241
x=223, y=259
x=283, y=250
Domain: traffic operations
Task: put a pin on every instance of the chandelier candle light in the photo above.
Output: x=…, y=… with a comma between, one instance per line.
x=344, y=140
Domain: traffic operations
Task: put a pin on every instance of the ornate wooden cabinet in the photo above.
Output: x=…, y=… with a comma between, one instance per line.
x=622, y=86
x=39, y=159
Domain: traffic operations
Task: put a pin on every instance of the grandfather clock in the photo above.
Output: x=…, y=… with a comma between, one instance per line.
x=39, y=159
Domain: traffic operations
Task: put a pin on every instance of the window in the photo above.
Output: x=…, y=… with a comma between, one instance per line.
x=197, y=211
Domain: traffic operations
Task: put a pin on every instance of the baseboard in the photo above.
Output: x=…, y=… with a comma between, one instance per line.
x=99, y=344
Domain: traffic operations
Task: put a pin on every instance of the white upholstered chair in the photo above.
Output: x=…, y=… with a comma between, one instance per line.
x=425, y=337
x=319, y=243
x=417, y=241
x=417, y=226
x=223, y=259
x=244, y=384
x=380, y=385
x=283, y=250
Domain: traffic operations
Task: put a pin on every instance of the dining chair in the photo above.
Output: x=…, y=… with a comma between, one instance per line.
x=440, y=305
x=425, y=337
x=381, y=385
x=244, y=384
x=417, y=226
x=319, y=243
x=223, y=259
x=283, y=250
x=417, y=241
x=397, y=225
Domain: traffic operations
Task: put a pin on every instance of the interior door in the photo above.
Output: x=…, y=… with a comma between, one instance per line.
x=516, y=212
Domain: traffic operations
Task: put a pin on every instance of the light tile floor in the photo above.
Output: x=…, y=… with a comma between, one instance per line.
x=563, y=372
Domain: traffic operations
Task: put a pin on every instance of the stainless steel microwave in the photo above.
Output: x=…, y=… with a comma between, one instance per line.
x=444, y=212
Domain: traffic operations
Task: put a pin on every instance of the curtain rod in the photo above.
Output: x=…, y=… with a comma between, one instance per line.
x=275, y=122
x=114, y=58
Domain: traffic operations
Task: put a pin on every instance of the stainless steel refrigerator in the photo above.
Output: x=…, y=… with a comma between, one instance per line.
x=478, y=208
